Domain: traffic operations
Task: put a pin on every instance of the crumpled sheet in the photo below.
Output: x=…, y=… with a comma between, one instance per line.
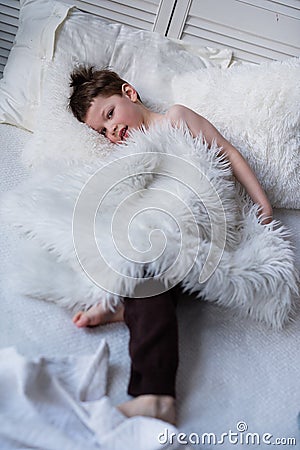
x=59, y=403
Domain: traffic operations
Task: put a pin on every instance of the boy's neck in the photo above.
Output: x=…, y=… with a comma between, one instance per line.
x=150, y=117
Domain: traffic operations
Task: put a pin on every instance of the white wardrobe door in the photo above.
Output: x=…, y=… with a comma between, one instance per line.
x=143, y=14
x=9, y=13
x=256, y=30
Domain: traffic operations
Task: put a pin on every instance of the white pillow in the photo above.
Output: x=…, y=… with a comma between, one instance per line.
x=48, y=26
x=20, y=86
x=256, y=108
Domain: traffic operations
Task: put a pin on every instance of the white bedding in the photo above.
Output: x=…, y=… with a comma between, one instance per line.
x=231, y=370
x=60, y=403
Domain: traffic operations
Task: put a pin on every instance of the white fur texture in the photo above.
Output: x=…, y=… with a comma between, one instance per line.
x=255, y=276
x=256, y=108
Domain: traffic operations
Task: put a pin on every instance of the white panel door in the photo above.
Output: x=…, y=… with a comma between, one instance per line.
x=9, y=14
x=143, y=14
x=255, y=30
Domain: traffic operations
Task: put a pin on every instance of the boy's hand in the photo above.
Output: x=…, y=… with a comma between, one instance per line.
x=266, y=213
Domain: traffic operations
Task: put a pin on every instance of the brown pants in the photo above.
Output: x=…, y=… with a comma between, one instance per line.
x=153, y=344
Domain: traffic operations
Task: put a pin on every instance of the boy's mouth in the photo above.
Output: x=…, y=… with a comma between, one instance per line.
x=123, y=133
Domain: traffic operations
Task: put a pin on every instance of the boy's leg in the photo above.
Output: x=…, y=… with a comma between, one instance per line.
x=153, y=349
x=153, y=344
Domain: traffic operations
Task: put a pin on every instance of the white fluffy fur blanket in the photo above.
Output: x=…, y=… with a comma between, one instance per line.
x=162, y=206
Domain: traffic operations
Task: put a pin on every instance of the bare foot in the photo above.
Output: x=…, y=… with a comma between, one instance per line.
x=158, y=406
x=98, y=315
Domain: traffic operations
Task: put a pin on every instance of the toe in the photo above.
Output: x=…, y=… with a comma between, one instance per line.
x=81, y=319
x=76, y=317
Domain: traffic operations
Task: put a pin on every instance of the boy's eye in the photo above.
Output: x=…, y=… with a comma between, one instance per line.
x=110, y=113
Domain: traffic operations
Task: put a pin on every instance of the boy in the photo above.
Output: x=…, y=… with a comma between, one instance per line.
x=113, y=108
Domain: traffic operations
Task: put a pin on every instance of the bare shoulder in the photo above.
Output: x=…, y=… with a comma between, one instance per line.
x=180, y=113
x=196, y=123
x=177, y=112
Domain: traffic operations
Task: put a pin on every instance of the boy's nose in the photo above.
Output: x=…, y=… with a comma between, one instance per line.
x=113, y=130
x=112, y=133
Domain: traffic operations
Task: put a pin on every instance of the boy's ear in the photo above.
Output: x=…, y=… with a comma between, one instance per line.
x=129, y=91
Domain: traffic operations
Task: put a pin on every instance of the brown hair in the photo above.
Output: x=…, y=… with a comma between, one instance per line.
x=88, y=83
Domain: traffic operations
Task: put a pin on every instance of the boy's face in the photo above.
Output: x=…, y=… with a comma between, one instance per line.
x=116, y=115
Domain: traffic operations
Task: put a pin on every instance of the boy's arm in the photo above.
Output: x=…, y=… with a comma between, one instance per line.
x=240, y=167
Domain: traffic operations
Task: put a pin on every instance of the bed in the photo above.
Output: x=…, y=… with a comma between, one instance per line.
x=238, y=379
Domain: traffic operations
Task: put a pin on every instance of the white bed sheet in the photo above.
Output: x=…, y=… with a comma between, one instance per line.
x=231, y=370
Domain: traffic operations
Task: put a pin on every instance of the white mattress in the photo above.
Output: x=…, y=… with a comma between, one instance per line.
x=230, y=370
